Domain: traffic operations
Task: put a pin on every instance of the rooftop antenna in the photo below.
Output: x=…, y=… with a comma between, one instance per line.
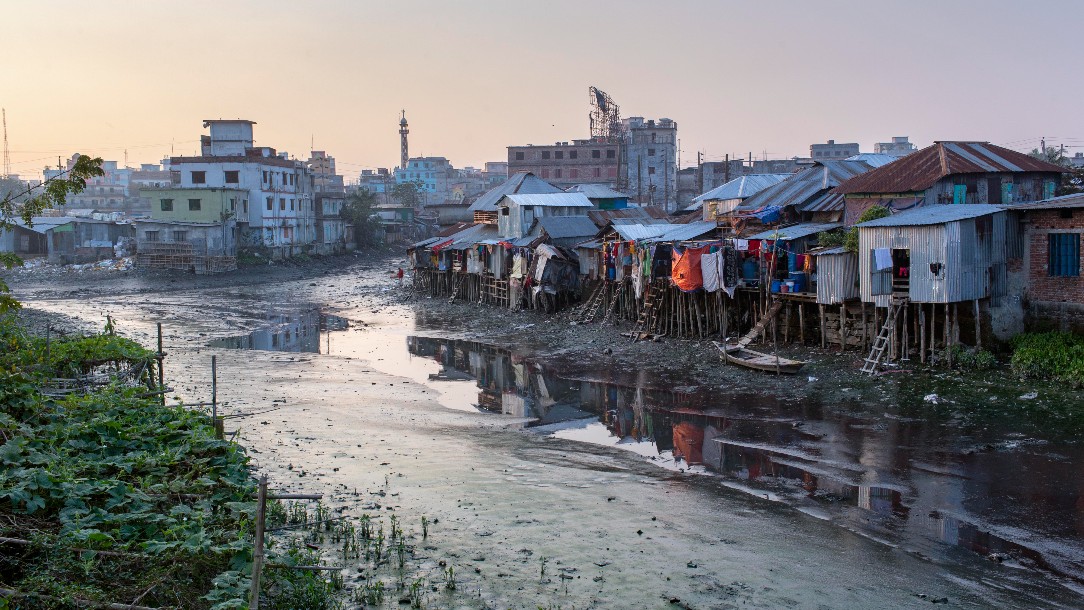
x=7, y=155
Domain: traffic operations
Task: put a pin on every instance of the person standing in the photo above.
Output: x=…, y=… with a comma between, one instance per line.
x=400, y=276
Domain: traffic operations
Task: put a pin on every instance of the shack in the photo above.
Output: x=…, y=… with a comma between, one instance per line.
x=484, y=208
x=563, y=231
x=80, y=240
x=722, y=199
x=518, y=212
x=601, y=196
x=951, y=173
x=23, y=240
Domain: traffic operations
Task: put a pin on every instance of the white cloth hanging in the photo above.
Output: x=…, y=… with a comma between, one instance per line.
x=709, y=268
x=741, y=245
x=882, y=258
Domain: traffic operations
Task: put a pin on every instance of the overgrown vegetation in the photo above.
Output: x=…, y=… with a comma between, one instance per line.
x=1057, y=356
x=849, y=238
x=359, y=210
x=971, y=359
x=118, y=498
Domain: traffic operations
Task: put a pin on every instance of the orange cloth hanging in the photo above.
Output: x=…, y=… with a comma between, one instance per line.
x=686, y=271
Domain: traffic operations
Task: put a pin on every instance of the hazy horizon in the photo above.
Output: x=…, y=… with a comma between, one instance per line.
x=475, y=77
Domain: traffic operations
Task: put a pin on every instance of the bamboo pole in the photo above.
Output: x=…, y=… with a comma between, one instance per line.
x=257, y=554
x=161, y=365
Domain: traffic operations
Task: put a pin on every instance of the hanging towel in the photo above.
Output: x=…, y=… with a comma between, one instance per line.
x=709, y=268
x=882, y=258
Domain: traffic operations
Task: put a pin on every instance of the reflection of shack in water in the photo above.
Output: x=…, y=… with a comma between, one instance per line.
x=287, y=332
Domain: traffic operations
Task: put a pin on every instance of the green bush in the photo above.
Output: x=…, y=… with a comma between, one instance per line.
x=1057, y=356
x=971, y=359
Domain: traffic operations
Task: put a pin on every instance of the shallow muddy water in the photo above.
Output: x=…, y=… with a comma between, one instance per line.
x=639, y=488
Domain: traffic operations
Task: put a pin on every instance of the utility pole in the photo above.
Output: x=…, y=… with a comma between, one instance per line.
x=699, y=174
x=7, y=155
x=726, y=172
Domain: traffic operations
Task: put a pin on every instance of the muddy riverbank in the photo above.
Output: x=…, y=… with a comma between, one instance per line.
x=643, y=474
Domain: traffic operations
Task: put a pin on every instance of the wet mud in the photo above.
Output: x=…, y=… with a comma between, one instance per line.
x=643, y=477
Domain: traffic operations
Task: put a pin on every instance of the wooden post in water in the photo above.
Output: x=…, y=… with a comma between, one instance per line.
x=801, y=322
x=257, y=552
x=842, y=327
x=865, y=329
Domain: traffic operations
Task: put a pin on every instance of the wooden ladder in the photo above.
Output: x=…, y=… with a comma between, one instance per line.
x=870, y=364
x=458, y=284
x=594, y=304
x=759, y=326
x=645, y=325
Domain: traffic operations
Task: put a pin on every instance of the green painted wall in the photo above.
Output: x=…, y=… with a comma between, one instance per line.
x=213, y=202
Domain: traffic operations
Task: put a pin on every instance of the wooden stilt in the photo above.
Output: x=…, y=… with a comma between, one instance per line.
x=865, y=329
x=842, y=327
x=978, y=325
x=921, y=333
x=801, y=323
x=824, y=328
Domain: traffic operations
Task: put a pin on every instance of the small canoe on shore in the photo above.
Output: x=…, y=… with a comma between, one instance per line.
x=743, y=356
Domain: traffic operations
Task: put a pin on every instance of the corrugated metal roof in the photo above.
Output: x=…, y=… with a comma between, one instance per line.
x=802, y=187
x=685, y=232
x=796, y=231
x=828, y=251
x=1065, y=201
x=919, y=170
x=596, y=191
x=740, y=188
x=873, y=159
x=828, y=202
x=640, y=232
x=426, y=242
x=603, y=217
x=519, y=182
x=556, y=200
x=640, y=221
x=934, y=215
x=561, y=227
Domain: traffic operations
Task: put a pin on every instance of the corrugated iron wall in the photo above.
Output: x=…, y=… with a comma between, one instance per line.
x=837, y=278
x=971, y=254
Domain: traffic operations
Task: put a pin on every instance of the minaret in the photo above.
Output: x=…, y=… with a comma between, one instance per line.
x=403, y=131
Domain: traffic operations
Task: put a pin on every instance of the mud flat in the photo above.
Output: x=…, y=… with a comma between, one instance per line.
x=639, y=475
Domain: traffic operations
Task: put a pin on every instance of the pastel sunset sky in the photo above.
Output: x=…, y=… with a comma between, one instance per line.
x=769, y=77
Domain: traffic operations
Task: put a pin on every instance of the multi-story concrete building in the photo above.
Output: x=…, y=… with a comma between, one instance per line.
x=434, y=173
x=379, y=182
x=651, y=161
x=325, y=180
x=565, y=164
x=280, y=212
x=833, y=151
x=899, y=146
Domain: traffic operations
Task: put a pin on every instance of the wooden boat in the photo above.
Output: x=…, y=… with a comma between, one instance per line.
x=743, y=356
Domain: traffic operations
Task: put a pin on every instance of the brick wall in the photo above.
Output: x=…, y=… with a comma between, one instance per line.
x=1042, y=287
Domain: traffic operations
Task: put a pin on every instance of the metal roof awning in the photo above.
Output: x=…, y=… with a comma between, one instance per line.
x=796, y=231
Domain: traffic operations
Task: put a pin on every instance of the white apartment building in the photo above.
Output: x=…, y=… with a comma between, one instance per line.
x=280, y=212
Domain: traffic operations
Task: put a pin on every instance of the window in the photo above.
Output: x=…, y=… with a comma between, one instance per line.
x=611, y=154
x=233, y=204
x=180, y=235
x=504, y=211
x=270, y=203
x=596, y=154
x=167, y=205
x=150, y=235
x=545, y=154
x=193, y=205
x=199, y=177
x=573, y=173
x=545, y=173
x=519, y=156
x=572, y=154
x=265, y=177
x=653, y=136
x=232, y=177
x=557, y=173
x=598, y=172
x=291, y=204
x=244, y=207
x=1063, y=258
x=282, y=203
x=650, y=171
x=560, y=154
x=651, y=152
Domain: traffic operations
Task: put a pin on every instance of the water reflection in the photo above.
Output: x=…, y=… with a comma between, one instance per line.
x=908, y=480
x=296, y=331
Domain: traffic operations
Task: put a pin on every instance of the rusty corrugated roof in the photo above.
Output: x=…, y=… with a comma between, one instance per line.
x=919, y=170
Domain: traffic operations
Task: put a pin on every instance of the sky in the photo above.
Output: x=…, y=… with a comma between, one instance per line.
x=762, y=77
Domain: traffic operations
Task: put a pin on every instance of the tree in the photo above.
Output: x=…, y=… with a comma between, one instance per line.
x=358, y=210
x=1072, y=182
x=408, y=193
x=32, y=200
